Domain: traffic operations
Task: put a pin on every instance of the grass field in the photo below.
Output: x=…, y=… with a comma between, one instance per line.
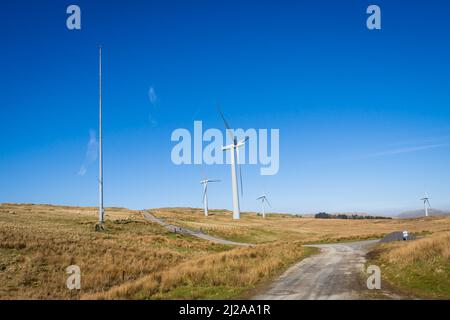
x=138, y=259
x=254, y=229
x=418, y=268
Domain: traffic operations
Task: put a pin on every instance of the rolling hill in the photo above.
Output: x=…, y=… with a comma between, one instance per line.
x=420, y=213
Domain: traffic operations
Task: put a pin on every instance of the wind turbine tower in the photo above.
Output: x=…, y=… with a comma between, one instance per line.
x=234, y=150
x=426, y=202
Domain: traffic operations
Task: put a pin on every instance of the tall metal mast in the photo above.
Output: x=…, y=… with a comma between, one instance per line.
x=100, y=147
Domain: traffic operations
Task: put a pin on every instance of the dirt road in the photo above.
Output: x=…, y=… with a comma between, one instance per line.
x=172, y=228
x=334, y=274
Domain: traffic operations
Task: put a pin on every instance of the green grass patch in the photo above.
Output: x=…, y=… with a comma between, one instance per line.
x=422, y=278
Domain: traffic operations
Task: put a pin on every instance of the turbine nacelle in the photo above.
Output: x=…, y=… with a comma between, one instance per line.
x=426, y=200
x=235, y=144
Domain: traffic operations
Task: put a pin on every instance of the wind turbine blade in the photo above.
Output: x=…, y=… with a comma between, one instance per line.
x=223, y=118
x=213, y=180
x=226, y=124
x=259, y=198
x=243, y=141
x=204, y=192
x=429, y=205
x=267, y=200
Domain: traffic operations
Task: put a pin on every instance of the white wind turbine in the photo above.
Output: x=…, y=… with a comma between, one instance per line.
x=425, y=203
x=234, y=150
x=205, y=193
x=263, y=199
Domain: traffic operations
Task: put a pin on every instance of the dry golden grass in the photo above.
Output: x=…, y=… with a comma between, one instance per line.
x=420, y=267
x=37, y=243
x=429, y=249
x=233, y=272
x=138, y=259
x=254, y=229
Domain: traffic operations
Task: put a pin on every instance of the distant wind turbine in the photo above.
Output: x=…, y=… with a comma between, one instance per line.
x=234, y=150
x=205, y=193
x=426, y=202
x=263, y=199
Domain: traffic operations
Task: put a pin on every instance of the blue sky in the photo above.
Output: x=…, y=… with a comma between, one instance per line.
x=363, y=115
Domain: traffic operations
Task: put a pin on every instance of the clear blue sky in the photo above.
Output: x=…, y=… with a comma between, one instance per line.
x=363, y=115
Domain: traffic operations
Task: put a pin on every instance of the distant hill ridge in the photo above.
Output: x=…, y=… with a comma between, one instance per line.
x=421, y=213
